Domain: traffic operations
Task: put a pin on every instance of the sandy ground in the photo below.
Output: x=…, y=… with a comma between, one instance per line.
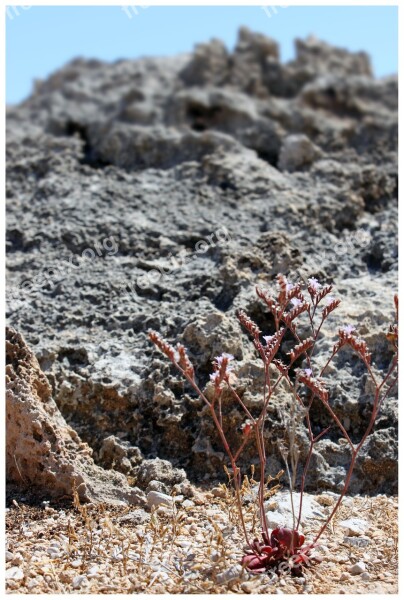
x=193, y=547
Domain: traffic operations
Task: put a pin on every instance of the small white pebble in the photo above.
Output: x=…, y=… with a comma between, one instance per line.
x=9, y=556
x=365, y=576
x=14, y=573
x=233, y=573
x=93, y=571
x=78, y=581
x=354, y=526
x=76, y=563
x=158, y=499
x=357, y=568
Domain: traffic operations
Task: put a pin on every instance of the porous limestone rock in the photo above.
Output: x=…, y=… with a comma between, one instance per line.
x=44, y=452
x=119, y=177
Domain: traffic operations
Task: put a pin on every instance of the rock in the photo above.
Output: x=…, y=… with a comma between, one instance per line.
x=360, y=542
x=158, y=499
x=159, y=470
x=230, y=575
x=280, y=513
x=327, y=499
x=249, y=587
x=135, y=517
x=323, y=58
x=297, y=151
x=355, y=526
x=209, y=65
x=42, y=450
x=79, y=581
x=76, y=563
x=357, y=568
x=186, y=489
x=219, y=492
x=157, y=486
x=92, y=571
x=188, y=504
x=96, y=259
x=14, y=573
x=119, y=455
x=249, y=61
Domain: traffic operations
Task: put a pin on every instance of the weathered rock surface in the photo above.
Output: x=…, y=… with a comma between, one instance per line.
x=121, y=178
x=43, y=452
x=279, y=511
x=159, y=470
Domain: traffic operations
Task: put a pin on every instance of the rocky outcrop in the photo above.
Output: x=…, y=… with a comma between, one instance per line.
x=155, y=194
x=42, y=451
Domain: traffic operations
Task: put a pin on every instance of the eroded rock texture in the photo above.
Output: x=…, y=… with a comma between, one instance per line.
x=121, y=178
x=42, y=451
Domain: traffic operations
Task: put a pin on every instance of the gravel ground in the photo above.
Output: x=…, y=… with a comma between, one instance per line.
x=192, y=547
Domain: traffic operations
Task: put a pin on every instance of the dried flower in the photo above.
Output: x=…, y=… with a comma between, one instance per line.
x=164, y=346
x=273, y=344
x=332, y=304
x=266, y=297
x=290, y=316
x=322, y=293
x=296, y=302
x=283, y=288
x=314, y=284
x=224, y=356
x=301, y=348
x=184, y=361
x=347, y=330
x=315, y=385
x=248, y=324
x=282, y=368
x=222, y=368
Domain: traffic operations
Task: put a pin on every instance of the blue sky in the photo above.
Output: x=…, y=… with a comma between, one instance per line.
x=41, y=39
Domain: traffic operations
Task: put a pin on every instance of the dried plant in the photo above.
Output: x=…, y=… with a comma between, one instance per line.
x=306, y=383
